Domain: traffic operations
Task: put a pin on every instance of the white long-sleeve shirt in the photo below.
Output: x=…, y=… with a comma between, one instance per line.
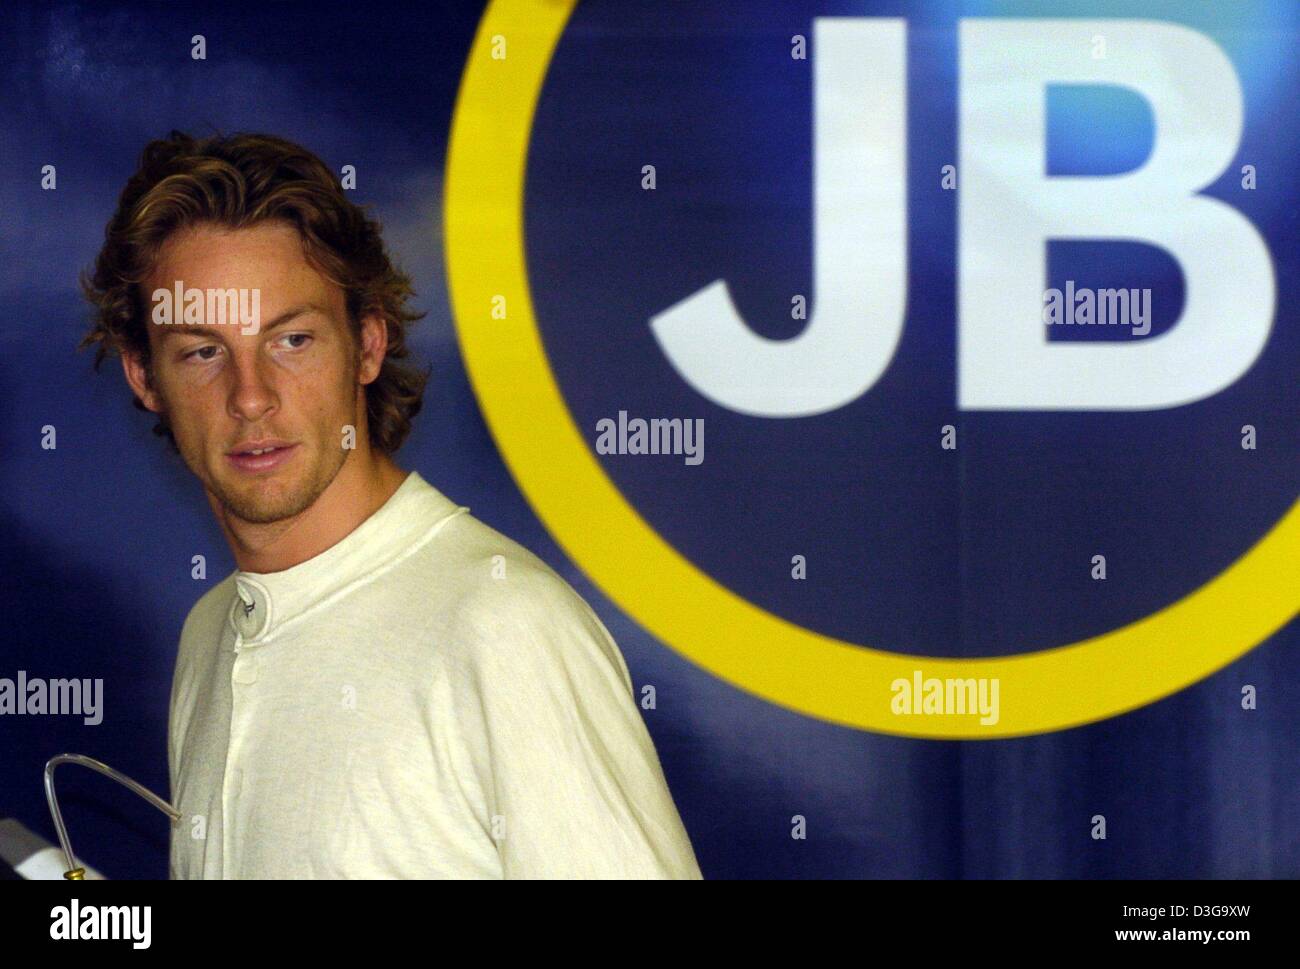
x=424, y=699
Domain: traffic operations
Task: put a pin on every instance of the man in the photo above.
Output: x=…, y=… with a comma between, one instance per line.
x=385, y=686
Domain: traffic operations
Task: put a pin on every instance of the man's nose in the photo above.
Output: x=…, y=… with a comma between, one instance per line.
x=253, y=393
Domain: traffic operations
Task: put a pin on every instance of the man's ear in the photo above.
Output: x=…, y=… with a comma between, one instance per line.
x=374, y=347
x=137, y=375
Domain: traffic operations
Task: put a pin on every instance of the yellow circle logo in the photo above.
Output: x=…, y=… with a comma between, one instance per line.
x=782, y=662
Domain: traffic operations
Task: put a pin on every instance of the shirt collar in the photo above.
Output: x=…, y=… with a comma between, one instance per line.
x=265, y=602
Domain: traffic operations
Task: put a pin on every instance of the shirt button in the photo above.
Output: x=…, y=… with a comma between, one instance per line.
x=251, y=609
x=245, y=668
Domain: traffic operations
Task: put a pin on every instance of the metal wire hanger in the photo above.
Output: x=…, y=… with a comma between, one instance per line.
x=76, y=872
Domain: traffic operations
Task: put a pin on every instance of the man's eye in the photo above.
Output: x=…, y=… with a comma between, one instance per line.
x=200, y=350
x=296, y=336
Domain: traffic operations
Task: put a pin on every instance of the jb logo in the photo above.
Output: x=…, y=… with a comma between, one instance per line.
x=1004, y=357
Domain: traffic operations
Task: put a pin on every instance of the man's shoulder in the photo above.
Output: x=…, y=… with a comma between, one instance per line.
x=211, y=609
x=506, y=602
x=497, y=576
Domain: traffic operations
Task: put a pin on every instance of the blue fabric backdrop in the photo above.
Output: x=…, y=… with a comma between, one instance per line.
x=98, y=534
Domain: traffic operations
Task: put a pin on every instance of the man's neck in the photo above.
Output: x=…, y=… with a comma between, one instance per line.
x=359, y=490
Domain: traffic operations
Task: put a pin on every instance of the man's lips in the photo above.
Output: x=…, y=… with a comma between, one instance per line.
x=243, y=459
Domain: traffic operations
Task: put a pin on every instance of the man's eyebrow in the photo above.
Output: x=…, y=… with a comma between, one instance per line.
x=292, y=314
x=193, y=329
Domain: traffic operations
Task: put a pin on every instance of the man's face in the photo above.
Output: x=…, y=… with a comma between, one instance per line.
x=292, y=381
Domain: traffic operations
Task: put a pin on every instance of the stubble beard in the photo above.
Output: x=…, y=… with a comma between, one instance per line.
x=265, y=501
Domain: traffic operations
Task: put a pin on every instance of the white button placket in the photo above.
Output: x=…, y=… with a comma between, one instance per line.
x=252, y=614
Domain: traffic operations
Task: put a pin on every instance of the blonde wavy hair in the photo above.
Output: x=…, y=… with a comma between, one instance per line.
x=234, y=182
